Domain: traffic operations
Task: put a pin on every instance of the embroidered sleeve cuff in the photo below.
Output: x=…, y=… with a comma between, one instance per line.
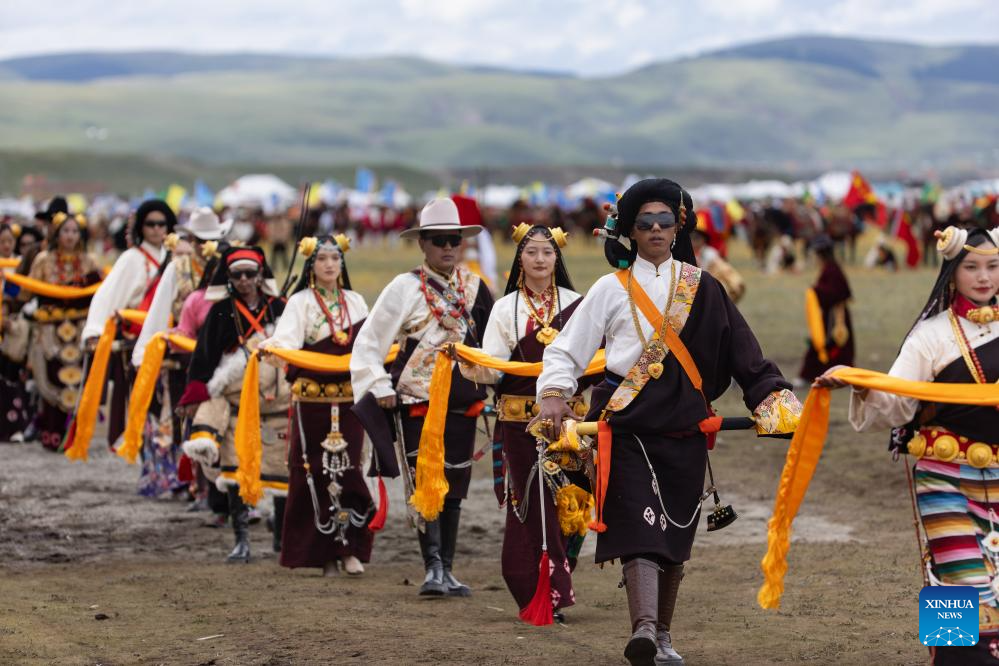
x=195, y=393
x=778, y=414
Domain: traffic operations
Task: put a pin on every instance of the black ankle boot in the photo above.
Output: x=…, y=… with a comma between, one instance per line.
x=278, y=522
x=239, y=512
x=430, y=547
x=449, y=519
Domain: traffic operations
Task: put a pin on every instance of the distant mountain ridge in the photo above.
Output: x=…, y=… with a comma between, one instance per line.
x=801, y=102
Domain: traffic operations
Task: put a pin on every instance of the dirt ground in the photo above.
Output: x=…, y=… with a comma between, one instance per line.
x=90, y=573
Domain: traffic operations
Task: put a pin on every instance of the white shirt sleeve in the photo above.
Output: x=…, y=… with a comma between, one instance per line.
x=124, y=287
x=566, y=358
x=160, y=309
x=384, y=324
x=290, y=330
x=885, y=410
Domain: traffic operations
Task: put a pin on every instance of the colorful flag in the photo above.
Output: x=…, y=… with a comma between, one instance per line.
x=175, y=197
x=203, y=195
x=315, y=194
x=364, y=180
x=901, y=228
x=860, y=192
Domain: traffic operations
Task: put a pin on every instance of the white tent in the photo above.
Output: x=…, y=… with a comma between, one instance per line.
x=264, y=191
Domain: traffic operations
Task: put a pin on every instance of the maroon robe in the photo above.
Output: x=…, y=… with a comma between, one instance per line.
x=665, y=417
x=522, y=541
x=832, y=289
x=302, y=545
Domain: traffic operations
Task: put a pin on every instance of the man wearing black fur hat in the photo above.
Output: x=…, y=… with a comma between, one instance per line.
x=674, y=342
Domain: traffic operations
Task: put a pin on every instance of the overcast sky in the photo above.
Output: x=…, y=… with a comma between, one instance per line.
x=588, y=37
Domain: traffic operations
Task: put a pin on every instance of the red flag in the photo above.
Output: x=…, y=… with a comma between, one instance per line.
x=902, y=229
x=860, y=192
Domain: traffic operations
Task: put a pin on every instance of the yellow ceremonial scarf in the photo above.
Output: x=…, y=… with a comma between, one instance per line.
x=816, y=325
x=248, y=444
x=143, y=388
x=431, y=486
x=82, y=428
x=41, y=288
x=806, y=447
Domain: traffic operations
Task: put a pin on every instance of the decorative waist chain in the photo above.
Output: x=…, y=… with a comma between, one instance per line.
x=936, y=443
x=308, y=390
x=522, y=408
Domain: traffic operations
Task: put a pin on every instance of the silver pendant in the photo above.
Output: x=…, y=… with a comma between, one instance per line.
x=649, y=515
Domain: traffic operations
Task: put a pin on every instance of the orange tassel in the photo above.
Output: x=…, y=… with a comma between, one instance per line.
x=77, y=443
x=539, y=611
x=604, y=437
x=378, y=522
x=249, y=445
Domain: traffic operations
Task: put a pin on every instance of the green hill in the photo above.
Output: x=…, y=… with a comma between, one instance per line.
x=807, y=102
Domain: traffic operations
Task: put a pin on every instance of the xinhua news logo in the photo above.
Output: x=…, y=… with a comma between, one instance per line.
x=948, y=616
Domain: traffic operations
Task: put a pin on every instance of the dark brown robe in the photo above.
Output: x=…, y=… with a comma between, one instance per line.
x=665, y=417
x=302, y=545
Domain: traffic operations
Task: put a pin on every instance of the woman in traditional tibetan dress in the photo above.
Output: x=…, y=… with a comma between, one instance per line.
x=829, y=308
x=192, y=250
x=956, y=474
x=329, y=504
x=130, y=284
x=14, y=332
x=54, y=350
x=539, y=300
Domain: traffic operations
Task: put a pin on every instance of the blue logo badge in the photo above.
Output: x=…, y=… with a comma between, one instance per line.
x=948, y=616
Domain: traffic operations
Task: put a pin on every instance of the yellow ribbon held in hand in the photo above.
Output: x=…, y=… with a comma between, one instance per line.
x=431, y=486
x=248, y=443
x=806, y=448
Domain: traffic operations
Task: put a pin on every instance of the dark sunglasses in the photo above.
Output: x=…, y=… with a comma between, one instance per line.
x=155, y=223
x=454, y=240
x=249, y=275
x=646, y=221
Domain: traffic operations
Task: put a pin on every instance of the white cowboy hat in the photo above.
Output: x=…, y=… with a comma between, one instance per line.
x=204, y=224
x=441, y=214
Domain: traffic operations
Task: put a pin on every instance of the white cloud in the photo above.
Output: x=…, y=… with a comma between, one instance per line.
x=574, y=35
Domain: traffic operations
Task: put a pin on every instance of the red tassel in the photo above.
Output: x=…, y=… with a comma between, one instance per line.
x=539, y=611
x=67, y=442
x=378, y=522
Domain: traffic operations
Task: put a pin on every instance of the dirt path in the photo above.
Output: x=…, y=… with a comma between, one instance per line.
x=77, y=545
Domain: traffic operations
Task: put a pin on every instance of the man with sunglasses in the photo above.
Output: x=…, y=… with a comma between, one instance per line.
x=674, y=343
x=437, y=303
x=131, y=282
x=246, y=305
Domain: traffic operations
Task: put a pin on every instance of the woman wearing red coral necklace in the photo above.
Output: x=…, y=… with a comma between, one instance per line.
x=539, y=300
x=956, y=472
x=329, y=507
x=54, y=352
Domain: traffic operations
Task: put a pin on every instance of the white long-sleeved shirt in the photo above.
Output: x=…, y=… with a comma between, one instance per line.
x=400, y=312
x=500, y=337
x=605, y=313
x=930, y=348
x=124, y=287
x=303, y=321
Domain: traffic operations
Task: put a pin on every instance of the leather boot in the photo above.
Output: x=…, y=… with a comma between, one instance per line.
x=669, y=584
x=449, y=519
x=239, y=512
x=641, y=581
x=278, y=522
x=430, y=547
